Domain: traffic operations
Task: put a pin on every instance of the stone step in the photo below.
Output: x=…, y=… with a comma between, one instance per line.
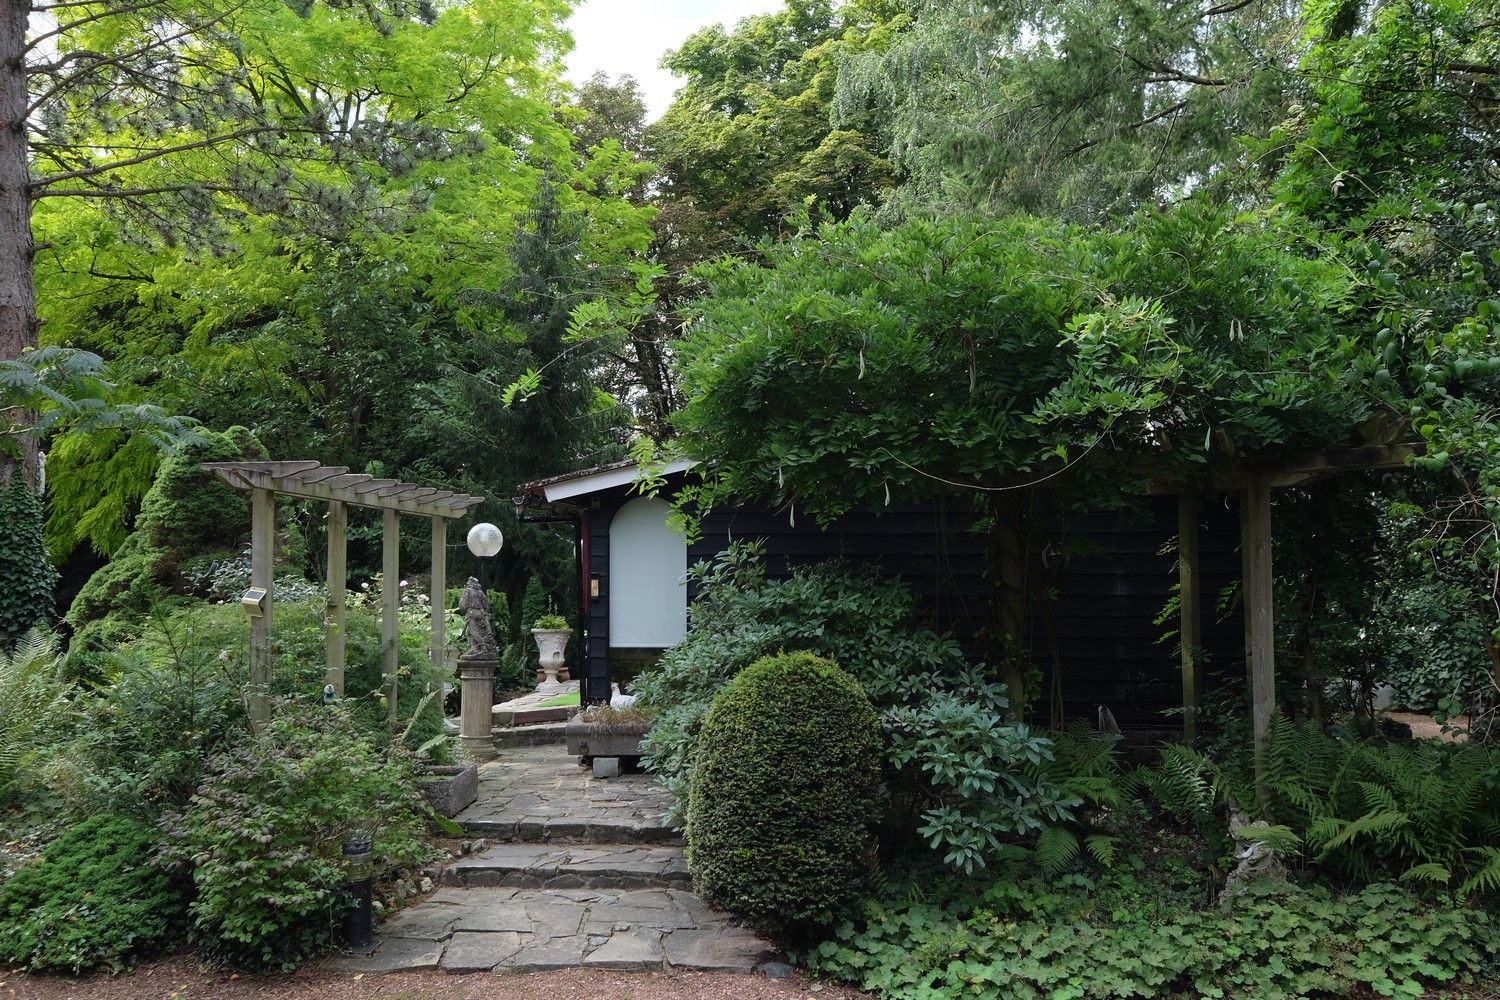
x=513, y=717
x=568, y=830
x=564, y=866
x=531, y=930
x=540, y=734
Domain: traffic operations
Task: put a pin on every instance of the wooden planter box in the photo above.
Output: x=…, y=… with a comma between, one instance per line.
x=592, y=739
x=450, y=789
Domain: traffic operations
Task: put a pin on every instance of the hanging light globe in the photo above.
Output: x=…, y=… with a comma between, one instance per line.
x=485, y=540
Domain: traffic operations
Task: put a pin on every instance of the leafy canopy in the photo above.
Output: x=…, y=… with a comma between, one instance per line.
x=857, y=365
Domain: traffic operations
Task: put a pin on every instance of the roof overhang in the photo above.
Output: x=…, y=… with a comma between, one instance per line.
x=608, y=477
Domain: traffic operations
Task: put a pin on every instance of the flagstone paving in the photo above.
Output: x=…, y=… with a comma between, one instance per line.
x=538, y=794
x=525, y=930
x=587, y=874
x=572, y=866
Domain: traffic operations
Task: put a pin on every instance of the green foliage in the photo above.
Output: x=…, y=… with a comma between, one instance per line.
x=97, y=897
x=974, y=787
x=1362, y=810
x=218, y=636
x=61, y=390
x=500, y=620
x=1070, y=108
x=262, y=836
x=748, y=138
x=979, y=354
x=34, y=706
x=515, y=667
x=980, y=786
x=187, y=512
x=784, y=795
x=533, y=603
x=26, y=577
x=551, y=620
x=865, y=623
x=1080, y=938
x=173, y=700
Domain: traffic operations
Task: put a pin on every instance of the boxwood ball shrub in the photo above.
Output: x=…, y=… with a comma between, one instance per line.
x=95, y=898
x=784, y=795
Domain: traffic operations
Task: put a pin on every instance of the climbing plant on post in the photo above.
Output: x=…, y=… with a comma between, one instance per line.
x=26, y=577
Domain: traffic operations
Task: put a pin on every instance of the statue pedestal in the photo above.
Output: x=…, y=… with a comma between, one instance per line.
x=476, y=698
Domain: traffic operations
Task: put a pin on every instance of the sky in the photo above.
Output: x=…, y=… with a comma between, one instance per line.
x=630, y=36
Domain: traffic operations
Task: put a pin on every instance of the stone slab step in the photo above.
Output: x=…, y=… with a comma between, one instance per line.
x=566, y=866
x=540, y=734
x=513, y=717
x=569, y=830
x=526, y=930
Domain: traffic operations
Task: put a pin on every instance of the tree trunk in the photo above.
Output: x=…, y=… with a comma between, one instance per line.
x=17, y=293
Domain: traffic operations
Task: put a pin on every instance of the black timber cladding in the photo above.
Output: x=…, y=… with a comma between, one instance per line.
x=1112, y=573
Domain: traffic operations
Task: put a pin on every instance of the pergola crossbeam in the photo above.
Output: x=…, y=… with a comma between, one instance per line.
x=313, y=481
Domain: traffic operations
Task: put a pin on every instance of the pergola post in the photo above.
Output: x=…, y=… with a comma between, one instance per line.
x=390, y=605
x=1190, y=615
x=334, y=636
x=439, y=588
x=262, y=566
x=1260, y=626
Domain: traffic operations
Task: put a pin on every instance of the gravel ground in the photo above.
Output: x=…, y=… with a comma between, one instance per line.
x=180, y=978
x=1424, y=728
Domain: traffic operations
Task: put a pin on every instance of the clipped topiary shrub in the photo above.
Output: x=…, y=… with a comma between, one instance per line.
x=785, y=792
x=95, y=898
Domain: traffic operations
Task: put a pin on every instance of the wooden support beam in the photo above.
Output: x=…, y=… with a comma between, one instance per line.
x=354, y=489
x=1190, y=615
x=334, y=634
x=439, y=604
x=390, y=606
x=1260, y=627
x=262, y=568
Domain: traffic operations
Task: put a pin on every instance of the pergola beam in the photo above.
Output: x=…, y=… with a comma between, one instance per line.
x=311, y=481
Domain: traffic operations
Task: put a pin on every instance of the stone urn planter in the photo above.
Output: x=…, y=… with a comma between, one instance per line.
x=551, y=648
x=450, y=788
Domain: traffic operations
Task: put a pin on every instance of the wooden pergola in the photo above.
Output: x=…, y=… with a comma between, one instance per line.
x=1253, y=482
x=341, y=489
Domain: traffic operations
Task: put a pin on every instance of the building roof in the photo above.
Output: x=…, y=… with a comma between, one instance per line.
x=597, y=479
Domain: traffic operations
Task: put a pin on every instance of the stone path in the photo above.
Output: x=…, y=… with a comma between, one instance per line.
x=538, y=794
x=520, y=930
x=570, y=866
x=588, y=875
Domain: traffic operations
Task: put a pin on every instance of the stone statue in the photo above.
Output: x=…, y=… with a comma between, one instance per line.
x=475, y=606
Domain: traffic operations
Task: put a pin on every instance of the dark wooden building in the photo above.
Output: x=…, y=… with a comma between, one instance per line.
x=1111, y=575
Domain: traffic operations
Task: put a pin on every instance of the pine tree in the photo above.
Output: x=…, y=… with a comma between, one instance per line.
x=26, y=577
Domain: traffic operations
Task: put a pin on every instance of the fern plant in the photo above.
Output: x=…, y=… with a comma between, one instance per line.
x=34, y=702
x=1363, y=810
x=1085, y=767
